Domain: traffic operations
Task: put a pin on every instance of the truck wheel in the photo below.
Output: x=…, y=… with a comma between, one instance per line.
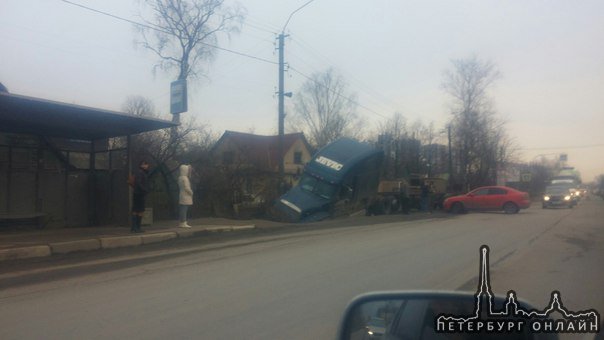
x=510, y=208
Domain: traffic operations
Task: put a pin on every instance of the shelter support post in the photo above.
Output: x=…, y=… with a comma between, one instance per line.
x=129, y=169
x=92, y=208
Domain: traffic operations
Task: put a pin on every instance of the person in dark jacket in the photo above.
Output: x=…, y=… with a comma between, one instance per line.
x=141, y=189
x=425, y=198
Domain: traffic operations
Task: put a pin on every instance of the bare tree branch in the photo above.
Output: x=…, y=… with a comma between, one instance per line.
x=184, y=31
x=323, y=109
x=481, y=143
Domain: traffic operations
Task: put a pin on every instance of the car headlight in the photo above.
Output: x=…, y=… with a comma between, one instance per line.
x=546, y=198
x=567, y=198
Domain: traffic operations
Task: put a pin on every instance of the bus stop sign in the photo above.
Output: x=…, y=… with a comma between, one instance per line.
x=178, y=96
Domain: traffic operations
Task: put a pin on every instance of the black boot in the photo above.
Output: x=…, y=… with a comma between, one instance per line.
x=134, y=227
x=139, y=220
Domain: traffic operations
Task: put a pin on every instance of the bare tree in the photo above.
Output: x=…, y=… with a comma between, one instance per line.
x=478, y=137
x=541, y=172
x=395, y=127
x=191, y=136
x=158, y=145
x=185, y=32
x=190, y=144
x=468, y=83
x=139, y=106
x=390, y=139
x=325, y=110
x=426, y=134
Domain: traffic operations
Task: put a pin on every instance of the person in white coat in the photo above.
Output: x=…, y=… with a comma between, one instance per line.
x=185, y=197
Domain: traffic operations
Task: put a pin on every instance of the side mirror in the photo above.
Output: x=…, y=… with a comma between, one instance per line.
x=423, y=315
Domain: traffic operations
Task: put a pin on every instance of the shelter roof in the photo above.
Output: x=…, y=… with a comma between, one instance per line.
x=29, y=115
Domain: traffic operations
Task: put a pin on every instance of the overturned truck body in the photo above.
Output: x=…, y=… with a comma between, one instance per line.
x=339, y=179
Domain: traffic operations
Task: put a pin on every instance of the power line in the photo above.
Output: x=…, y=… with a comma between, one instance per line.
x=258, y=27
x=379, y=98
x=372, y=98
x=155, y=28
x=566, y=147
x=337, y=93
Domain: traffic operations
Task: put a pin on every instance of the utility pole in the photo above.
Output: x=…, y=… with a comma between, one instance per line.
x=281, y=117
x=450, y=156
x=281, y=114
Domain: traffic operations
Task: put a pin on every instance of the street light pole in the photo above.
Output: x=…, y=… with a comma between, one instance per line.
x=450, y=160
x=281, y=108
x=281, y=95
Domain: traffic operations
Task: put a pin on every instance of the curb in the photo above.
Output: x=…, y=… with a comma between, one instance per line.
x=185, y=233
x=25, y=252
x=158, y=237
x=110, y=242
x=120, y=241
x=71, y=246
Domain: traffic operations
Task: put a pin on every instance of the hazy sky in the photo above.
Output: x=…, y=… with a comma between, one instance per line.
x=392, y=53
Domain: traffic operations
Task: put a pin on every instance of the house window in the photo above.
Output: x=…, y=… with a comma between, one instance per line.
x=297, y=157
x=228, y=157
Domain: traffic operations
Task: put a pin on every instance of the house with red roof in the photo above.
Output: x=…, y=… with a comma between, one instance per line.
x=253, y=161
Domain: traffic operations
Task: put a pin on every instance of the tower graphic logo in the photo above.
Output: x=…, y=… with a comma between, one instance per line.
x=513, y=317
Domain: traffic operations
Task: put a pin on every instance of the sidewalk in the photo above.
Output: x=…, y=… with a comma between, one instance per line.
x=16, y=243
x=22, y=244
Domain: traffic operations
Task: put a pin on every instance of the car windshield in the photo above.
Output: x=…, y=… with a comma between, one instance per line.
x=562, y=181
x=242, y=169
x=556, y=190
x=377, y=322
x=308, y=183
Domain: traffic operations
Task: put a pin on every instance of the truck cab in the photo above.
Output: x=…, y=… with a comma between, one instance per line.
x=339, y=179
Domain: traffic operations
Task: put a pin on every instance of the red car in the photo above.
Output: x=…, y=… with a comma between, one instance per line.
x=489, y=198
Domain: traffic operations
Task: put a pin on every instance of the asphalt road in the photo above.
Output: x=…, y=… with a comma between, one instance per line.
x=296, y=285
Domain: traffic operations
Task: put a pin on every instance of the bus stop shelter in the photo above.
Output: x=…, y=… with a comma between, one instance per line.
x=68, y=163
